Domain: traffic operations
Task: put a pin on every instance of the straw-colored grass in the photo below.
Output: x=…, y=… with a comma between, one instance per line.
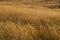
x=21, y=22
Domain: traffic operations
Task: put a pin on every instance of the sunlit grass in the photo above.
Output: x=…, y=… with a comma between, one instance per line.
x=18, y=22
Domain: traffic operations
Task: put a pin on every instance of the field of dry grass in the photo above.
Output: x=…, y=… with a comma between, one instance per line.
x=29, y=22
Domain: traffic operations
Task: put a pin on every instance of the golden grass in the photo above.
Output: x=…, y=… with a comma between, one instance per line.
x=18, y=22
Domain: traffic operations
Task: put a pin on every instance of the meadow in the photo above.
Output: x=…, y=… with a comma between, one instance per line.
x=28, y=22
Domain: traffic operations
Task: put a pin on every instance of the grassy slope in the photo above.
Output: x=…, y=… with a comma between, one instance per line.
x=21, y=22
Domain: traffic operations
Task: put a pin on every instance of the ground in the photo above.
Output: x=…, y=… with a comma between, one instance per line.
x=19, y=21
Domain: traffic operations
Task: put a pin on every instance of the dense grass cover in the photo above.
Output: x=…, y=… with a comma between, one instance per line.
x=19, y=22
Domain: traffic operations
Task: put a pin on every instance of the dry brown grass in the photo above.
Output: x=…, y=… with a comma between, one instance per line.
x=18, y=22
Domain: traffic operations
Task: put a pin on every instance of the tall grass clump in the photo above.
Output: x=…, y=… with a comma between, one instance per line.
x=21, y=27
